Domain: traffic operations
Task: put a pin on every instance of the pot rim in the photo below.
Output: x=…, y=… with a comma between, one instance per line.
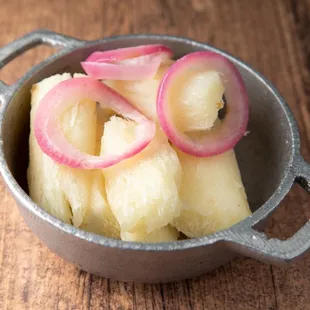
x=227, y=235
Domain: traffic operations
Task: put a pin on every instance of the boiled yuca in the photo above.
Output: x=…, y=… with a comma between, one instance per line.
x=164, y=234
x=79, y=127
x=43, y=174
x=142, y=93
x=212, y=194
x=198, y=100
x=143, y=192
x=98, y=217
x=62, y=191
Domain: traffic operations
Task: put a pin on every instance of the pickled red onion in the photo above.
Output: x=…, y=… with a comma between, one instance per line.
x=67, y=93
x=130, y=63
x=232, y=128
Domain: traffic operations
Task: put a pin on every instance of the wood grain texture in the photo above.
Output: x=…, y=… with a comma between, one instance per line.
x=274, y=37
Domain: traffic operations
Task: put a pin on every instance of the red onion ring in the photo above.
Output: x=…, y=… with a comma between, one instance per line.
x=231, y=129
x=67, y=93
x=130, y=63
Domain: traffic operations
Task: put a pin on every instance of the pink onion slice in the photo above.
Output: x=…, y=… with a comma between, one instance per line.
x=232, y=128
x=130, y=63
x=63, y=96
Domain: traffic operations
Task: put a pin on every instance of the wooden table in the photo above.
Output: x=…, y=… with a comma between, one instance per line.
x=274, y=37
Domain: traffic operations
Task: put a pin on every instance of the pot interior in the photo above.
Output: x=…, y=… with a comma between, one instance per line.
x=263, y=155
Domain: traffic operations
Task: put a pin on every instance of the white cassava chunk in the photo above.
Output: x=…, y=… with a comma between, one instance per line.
x=143, y=192
x=198, y=101
x=143, y=93
x=212, y=194
x=79, y=127
x=164, y=234
x=99, y=218
x=43, y=174
x=58, y=188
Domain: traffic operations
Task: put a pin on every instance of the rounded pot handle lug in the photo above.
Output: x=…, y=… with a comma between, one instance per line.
x=23, y=44
x=255, y=244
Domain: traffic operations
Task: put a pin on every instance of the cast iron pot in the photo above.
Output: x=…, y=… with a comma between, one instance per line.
x=269, y=160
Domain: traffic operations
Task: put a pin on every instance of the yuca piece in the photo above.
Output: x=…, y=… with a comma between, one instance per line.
x=164, y=234
x=98, y=217
x=61, y=190
x=142, y=94
x=143, y=192
x=79, y=127
x=43, y=174
x=212, y=194
x=199, y=100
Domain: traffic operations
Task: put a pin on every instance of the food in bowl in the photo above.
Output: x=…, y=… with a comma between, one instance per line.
x=135, y=149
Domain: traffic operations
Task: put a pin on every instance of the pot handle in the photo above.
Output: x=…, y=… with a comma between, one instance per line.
x=30, y=40
x=257, y=245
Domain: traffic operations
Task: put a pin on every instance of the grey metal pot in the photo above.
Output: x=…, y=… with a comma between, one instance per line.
x=269, y=159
